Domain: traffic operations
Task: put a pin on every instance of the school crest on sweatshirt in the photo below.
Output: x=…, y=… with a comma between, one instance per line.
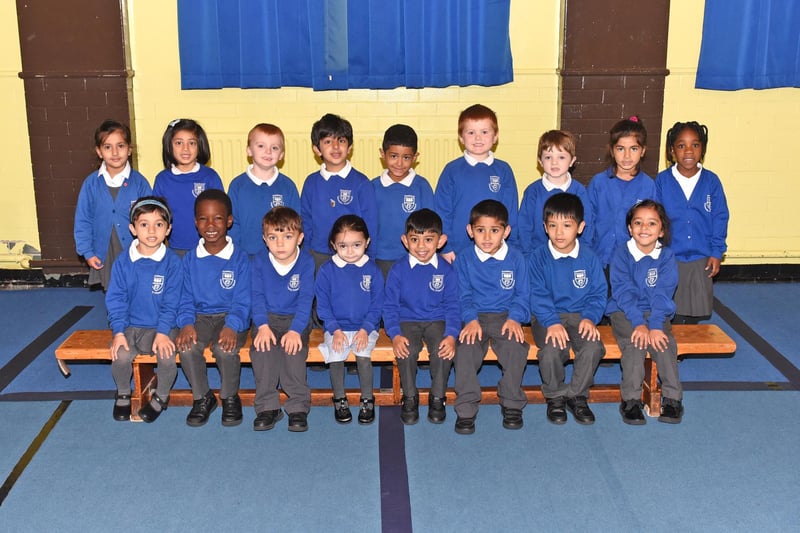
x=294, y=283
x=437, y=283
x=277, y=200
x=652, y=277
x=366, y=282
x=707, y=204
x=228, y=279
x=197, y=188
x=409, y=203
x=345, y=196
x=507, y=279
x=579, y=279
x=158, y=284
x=494, y=183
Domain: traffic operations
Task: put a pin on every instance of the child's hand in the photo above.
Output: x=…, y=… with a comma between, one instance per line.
x=339, y=338
x=447, y=348
x=186, y=338
x=227, y=339
x=94, y=262
x=640, y=336
x=712, y=265
x=118, y=341
x=588, y=330
x=265, y=338
x=291, y=342
x=400, y=346
x=558, y=334
x=658, y=340
x=163, y=346
x=470, y=332
x=449, y=257
x=514, y=330
x=360, y=339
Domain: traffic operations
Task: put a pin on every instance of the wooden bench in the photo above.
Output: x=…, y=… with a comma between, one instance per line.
x=700, y=340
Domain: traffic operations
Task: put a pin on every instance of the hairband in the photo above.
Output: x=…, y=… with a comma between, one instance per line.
x=150, y=201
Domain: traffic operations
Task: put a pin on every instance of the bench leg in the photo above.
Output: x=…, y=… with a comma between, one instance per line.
x=143, y=376
x=651, y=389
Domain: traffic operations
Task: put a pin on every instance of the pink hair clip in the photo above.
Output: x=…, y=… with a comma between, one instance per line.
x=634, y=118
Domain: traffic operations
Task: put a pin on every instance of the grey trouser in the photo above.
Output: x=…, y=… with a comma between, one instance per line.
x=140, y=340
x=432, y=333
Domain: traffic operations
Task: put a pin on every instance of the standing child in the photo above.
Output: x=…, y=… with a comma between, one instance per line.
x=421, y=304
x=185, y=152
x=337, y=189
x=568, y=297
x=349, y=291
x=142, y=303
x=644, y=275
x=214, y=310
x=283, y=289
x=494, y=293
x=260, y=188
x=104, y=202
x=614, y=191
x=698, y=211
x=398, y=191
x=476, y=176
x=556, y=156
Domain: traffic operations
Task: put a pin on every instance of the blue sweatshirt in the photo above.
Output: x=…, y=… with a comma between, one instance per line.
x=498, y=285
x=421, y=293
x=610, y=199
x=251, y=202
x=395, y=202
x=144, y=291
x=290, y=293
x=699, y=224
x=180, y=191
x=567, y=285
x=97, y=212
x=349, y=296
x=215, y=284
x=641, y=283
x=323, y=201
x=461, y=186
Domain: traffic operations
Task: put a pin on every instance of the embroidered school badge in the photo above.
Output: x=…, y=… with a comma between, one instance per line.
x=494, y=183
x=158, y=284
x=345, y=197
x=197, y=188
x=277, y=200
x=652, y=277
x=409, y=203
x=294, y=283
x=437, y=283
x=366, y=282
x=507, y=279
x=707, y=204
x=579, y=279
x=228, y=279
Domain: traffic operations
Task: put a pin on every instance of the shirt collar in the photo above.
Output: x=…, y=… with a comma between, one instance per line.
x=342, y=173
x=133, y=252
x=500, y=254
x=117, y=180
x=679, y=176
x=413, y=261
x=638, y=255
x=558, y=255
x=175, y=170
x=258, y=181
x=341, y=263
x=549, y=185
x=284, y=269
x=472, y=161
x=226, y=253
x=386, y=180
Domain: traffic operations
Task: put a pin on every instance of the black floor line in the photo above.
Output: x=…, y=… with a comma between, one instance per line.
x=395, y=497
x=18, y=363
x=50, y=396
x=776, y=358
x=27, y=457
x=745, y=386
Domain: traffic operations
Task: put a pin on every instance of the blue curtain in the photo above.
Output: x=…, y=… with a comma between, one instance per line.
x=342, y=44
x=751, y=44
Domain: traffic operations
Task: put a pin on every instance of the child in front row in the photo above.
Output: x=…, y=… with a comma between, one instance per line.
x=283, y=289
x=214, y=310
x=556, y=156
x=349, y=290
x=421, y=304
x=494, y=292
x=398, y=191
x=644, y=274
x=260, y=188
x=568, y=297
x=142, y=303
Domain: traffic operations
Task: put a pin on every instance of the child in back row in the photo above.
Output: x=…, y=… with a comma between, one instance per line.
x=260, y=188
x=104, y=202
x=695, y=202
x=556, y=154
x=568, y=298
x=185, y=152
x=421, y=304
x=474, y=177
x=398, y=191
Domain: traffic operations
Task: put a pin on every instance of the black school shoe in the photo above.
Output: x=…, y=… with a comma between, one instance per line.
x=579, y=408
x=122, y=413
x=409, y=411
x=231, y=411
x=436, y=410
x=266, y=420
x=631, y=411
x=148, y=414
x=512, y=418
x=202, y=409
x=366, y=414
x=298, y=422
x=671, y=411
x=341, y=411
x=556, y=411
x=465, y=426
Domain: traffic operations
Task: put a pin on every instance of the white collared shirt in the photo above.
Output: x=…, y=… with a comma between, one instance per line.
x=284, y=269
x=117, y=180
x=500, y=254
x=549, y=185
x=638, y=255
x=386, y=180
x=341, y=263
x=471, y=161
x=258, y=181
x=135, y=255
x=342, y=173
x=413, y=261
x=225, y=253
x=687, y=184
x=175, y=170
x=558, y=255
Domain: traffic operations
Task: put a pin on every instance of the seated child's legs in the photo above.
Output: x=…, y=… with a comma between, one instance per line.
x=229, y=365
x=632, y=358
x=266, y=371
x=667, y=366
x=551, y=363
x=587, y=357
x=337, y=378
x=122, y=366
x=440, y=368
x=365, y=376
x=512, y=357
x=408, y=365
x=467, y=362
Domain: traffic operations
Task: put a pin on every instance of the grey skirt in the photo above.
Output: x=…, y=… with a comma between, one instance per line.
x=695, y=293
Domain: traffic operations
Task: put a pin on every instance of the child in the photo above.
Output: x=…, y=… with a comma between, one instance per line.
x=214, y=310
x=556, y=156
x=104, y=202
x=494, y=293
x=613, y=192
x=260, y=188
x=185, y=151
x=142, y=303
x=698, y=211
x=349, y=291
x=474, y=177
x=644, y=275
x=337, y=189
x=421, y=303
x=568, y=297
x=398, y=192
x=283, y=288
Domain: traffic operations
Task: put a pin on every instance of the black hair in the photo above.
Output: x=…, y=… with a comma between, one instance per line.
x=489, y=208
x=423, y=221
x=672, y=135
x=628, y=127
x=216, y=195
x=283, y=218
x=563, y=205
x=184, y=124
x=150, y=204
x=331, y=125
x=107, y=128
x=660, y=211
x=344, y=223
x=400, y=135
